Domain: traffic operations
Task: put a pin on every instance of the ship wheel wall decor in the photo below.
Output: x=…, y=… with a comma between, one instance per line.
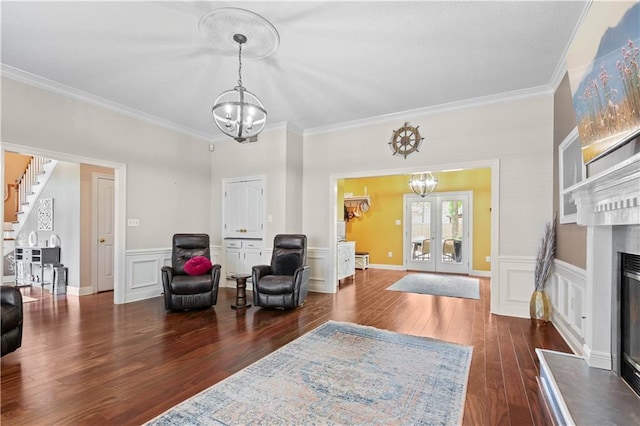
x=405, y=140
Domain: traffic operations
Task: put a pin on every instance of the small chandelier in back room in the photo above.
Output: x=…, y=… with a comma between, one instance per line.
x=423, y=184
x=238, y=112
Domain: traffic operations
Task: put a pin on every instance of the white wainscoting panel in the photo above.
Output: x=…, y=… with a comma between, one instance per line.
x=516, y=285
x=318, y=261
x=567, y=291
x=142, y=268
x=144, y=279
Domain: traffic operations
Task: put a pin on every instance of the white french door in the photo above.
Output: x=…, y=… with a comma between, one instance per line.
x=436, y=232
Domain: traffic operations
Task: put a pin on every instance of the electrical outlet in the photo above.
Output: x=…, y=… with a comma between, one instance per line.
x=390, y=254
x=398, y=222
x=133, y=222
x=487, y=259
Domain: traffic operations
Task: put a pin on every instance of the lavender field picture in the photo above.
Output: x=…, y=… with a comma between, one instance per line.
x=606, y=86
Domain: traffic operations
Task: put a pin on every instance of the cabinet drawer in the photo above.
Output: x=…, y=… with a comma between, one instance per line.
x=233, y=244
x=252, y=244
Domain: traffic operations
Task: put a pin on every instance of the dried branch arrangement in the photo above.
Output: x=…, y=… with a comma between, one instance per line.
x=546, y=254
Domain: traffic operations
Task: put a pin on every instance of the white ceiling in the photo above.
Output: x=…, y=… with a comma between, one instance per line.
x=337, y=61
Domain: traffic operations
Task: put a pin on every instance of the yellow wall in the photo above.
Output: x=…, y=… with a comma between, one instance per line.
x=376, y=231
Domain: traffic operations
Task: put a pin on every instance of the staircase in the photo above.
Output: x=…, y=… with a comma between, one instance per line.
x=28, y=190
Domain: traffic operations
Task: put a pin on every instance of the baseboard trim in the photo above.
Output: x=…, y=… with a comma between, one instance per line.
x=389, y=267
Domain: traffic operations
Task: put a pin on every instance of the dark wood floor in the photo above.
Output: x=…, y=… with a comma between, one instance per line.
x=87, y=361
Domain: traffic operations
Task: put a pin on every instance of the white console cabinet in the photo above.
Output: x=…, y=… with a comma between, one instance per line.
x=346, y=259
x=242, y=255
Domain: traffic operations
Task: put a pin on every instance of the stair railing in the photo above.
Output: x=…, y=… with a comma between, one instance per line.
x=29, y=179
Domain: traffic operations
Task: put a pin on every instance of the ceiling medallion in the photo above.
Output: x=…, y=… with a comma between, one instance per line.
x=405, y=140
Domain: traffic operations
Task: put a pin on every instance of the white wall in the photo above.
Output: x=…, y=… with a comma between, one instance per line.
x=64, y=188
x=294, y=177
x=174, y=183
x=517, y=132
x=167, y=171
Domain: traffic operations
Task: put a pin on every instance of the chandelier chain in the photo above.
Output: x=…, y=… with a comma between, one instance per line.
x=240, y=65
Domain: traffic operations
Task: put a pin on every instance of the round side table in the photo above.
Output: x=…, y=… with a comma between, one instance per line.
x=241, y=294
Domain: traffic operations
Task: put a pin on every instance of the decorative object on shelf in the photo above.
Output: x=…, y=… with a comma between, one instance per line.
x=54, y=240
x=45, y=214
x=238, y=112
x=356, y=206
x=423, y=183
x=22, y=240
x=33, y=239
x=539, y=306
x=405, y=140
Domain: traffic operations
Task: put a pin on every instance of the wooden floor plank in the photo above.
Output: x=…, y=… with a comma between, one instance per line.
x=87, y=361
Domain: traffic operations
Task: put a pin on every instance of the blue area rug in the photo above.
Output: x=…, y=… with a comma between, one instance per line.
x=339, y=373
x=439, y=285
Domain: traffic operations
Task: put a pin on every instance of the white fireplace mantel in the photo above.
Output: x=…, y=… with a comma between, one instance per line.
x=611, y=197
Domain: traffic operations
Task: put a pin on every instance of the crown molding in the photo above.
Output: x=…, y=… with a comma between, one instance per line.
x=405, y=115
x=561, y=68
x=558, y=74
x=61, y=89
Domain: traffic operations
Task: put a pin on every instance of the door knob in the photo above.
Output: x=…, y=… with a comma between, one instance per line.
x=102, y=240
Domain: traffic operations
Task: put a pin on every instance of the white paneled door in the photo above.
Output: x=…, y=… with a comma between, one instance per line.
x=105, y=222
x=436, y=232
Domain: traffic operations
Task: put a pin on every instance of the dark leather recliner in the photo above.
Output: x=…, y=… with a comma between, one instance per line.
x=183, y=291
x=284, y=283
x=12, y=317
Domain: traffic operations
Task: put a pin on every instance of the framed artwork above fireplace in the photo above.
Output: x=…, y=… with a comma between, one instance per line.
x=603, y=73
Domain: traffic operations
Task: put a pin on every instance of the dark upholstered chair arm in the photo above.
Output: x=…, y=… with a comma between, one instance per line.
x=215, y=271
x=301, y=284
x=301, y=274
x=260, y=271
x=11, y=296
x=167, y=277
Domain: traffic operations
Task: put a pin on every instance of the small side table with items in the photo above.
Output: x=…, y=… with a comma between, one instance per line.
x=32, y=264
x=241, y=291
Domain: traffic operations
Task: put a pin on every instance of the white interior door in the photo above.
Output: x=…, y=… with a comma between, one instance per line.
x=437, y=236
x=105, y=221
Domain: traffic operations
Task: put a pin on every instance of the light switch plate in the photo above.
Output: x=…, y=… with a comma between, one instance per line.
x=133, y=222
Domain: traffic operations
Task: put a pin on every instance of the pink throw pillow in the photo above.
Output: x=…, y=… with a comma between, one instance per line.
x=197, y=265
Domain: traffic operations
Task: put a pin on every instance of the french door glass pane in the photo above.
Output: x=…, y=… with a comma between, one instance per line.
x=420, y=231
x=452, y=225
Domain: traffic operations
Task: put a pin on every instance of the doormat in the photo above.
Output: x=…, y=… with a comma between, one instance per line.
x=339, y=373
x=439, y=285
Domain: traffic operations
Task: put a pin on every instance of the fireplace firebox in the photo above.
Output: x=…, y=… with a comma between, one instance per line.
x=630, y=321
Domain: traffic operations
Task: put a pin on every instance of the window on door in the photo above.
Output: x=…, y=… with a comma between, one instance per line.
x=436, y=232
